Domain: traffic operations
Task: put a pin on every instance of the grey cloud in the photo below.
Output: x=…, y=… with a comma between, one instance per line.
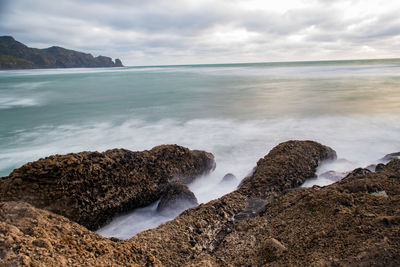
x=183, y=30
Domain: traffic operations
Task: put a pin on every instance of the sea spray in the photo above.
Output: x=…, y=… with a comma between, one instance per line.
x=237, y=112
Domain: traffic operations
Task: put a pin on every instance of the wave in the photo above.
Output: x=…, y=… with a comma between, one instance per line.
x=237, y=145
x=13, y=102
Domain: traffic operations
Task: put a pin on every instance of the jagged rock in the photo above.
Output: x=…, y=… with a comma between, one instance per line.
x=286, y=166
x=272, y=249
x=91, y=187
x=328, y=226
x=379, y=167
x=176, y=198
x=34, y=237
x=118, y=63
x=359, y=172
x=229, y=179
x=204, y=229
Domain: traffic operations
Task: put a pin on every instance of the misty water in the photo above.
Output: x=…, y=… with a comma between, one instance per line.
x=238, y=112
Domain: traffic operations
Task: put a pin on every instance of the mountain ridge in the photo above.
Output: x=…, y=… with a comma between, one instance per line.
x=16, y=55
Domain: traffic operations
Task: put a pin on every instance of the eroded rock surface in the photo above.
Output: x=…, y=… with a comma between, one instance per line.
x=202, y=230
x=91, y=187
x=286, y=166
x=349, y=223
x=34, y=237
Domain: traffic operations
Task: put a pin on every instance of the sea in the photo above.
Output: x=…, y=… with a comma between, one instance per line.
x=236, y=111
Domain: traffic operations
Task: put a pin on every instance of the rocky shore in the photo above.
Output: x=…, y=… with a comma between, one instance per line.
x=47, y=208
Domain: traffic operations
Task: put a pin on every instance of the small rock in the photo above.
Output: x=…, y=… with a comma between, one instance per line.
x=357, y=173
x=176, y=198
x=42, y=243
x=379, y=167
x=229, y=178
x=272, y=249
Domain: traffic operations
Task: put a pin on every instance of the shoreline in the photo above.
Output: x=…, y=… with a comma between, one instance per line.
x=264, y=221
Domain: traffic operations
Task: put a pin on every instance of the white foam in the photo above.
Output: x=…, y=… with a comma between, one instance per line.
x=12, y=102
x=237, y=146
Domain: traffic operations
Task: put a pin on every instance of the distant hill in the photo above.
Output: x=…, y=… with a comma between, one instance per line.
x=16, y=55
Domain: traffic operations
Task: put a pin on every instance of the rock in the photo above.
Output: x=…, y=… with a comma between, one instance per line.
x=379, y=167
x=390, y=156
x=118, y=63
x=359, y=172
x=91, y=187
x=272, y=249
x=213, y=228
x=318, y=226
x=41, y=238
x=286, y=166
x=229, y=179
x=176, y=198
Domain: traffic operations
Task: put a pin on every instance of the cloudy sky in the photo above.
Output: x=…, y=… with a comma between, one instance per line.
x=149, y=32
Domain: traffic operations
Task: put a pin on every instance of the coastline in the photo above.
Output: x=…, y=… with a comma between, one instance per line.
x=353, y=221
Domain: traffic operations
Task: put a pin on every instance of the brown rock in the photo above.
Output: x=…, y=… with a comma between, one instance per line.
x=272, y=249
x=210, y=227
x=41, y=238
x=91, y=187
x=286, y=166
x=328, y=226
x=176, y=198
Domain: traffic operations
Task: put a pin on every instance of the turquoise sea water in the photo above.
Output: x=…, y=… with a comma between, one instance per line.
x=236, y=111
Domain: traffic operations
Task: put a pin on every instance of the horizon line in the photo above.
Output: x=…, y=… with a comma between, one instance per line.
x=263, y=62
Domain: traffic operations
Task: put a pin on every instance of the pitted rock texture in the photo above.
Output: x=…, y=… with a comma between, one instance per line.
x=91, y=187
x=34, y=237
x=349, y=223
x=286, y=166
x=203, y=229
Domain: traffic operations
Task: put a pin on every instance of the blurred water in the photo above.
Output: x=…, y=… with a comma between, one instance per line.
x=238, y=112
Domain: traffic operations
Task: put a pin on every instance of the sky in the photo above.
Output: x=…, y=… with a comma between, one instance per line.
x=169, y=32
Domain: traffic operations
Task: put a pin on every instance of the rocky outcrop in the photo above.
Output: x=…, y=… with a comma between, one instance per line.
x=15, y=55
x=34, y=237
x=91, y=187
x=201, y=230
x=349, y=223
x=344, y=224
x=176, y=198
x=286, y=166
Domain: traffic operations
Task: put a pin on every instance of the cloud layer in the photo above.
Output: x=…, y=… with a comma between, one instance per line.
x=208, y=31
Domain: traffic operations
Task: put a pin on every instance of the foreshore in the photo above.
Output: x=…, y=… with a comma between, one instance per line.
x=48, y=206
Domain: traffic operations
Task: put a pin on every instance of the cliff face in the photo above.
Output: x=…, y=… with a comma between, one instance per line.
x=15, y=55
